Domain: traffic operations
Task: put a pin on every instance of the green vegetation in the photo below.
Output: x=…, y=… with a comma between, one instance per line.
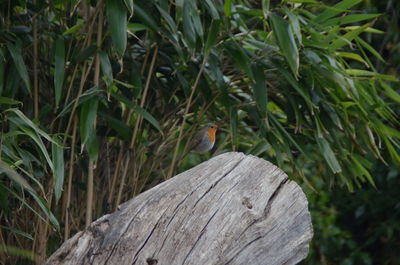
x=100, y=98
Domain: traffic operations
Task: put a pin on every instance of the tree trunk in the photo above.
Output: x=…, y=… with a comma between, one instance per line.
x=231, y=209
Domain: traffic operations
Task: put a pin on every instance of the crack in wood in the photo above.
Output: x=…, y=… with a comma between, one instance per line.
x=156, y=225
x=200, y=236
x=243, y=248
x=267, y=207
x=216, y=183
x=115, y=245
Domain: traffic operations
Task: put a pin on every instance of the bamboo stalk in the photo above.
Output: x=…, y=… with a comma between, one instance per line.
x=35, y=66
x=91, y=166
x=115, y=175
x=121, y=186
x=69, y=187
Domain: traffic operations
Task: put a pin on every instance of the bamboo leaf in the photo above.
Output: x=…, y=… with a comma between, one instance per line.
x=212, y=9
x=353, y=56
x=16, y=54
x=117, y=23
x=369, y=48
x=129, y=5
x=188, y=23
x=30, y=124
x=228, y=7
x=239, y=56
x=18, y=232
x=328, y=154
x=145, y=17
x=9, y=101
x=349, y=19
x=147, y=116
x=106, y=68
x=123, y=130
x=212, y=36
x=58, y=159
x=87, y=119
x=260, y=88
x=340, y=7
x=348, y=37
x=14, y=176
x=92, y=146
x=285, y=38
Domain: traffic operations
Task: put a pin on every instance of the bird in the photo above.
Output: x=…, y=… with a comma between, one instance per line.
x=204, y=140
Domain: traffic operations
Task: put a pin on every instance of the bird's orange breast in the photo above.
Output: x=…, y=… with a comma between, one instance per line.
x=211, y=134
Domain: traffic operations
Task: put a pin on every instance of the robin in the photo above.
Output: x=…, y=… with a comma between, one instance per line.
x=204, y=140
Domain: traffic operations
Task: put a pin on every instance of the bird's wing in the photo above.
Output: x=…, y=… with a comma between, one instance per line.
x=195, y=140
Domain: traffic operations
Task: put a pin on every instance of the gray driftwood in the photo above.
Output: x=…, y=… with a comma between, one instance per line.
x=231, y=209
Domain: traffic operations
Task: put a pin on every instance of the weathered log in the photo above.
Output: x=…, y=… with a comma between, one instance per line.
x=231, y=209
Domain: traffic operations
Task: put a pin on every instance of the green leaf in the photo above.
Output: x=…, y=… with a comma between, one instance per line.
x=30, y=124
x=293, y=82
x=228, y=8
x=84, y=54
x=212, y=9
x=9, y=101
x=16, y=54
x=33, y=135
x=18, y=232
x=74, y=29
x=238, y=54
x=117, y=23
x=390, y=92
x=349, y=19
x=369, y=48
x=92, y=146
x=14, y=176
x=58, y=160
x=129, y=5
x=287, y=44
x=145, y=17
x=328, y=154
x=360, y=72
x=59, y=68
x=340, y=7
x=348, y=37
x=134, y=27
x=18, y=252
x=353, y=56
x=212, y=36
x=294, y=24
x=189, y=28
x=106, y=68
x=260, y=88
x=361, y=170
x=285, y=133
x=123, y=130
x=87, y=119
x=147, y=116
x=265, y=7
x=394, y=154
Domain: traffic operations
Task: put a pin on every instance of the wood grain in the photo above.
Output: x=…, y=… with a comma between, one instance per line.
x=231, y=209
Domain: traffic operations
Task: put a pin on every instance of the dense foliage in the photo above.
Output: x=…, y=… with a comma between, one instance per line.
x=99, y=100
